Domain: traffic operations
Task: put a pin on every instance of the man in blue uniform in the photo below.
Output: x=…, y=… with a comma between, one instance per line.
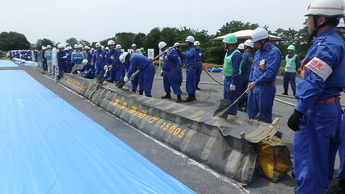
x=199, y=57
x=145, y=65
x=170, y=72
x=262, y=76
x=189, y=59
x=61, y=56
x=113, y=59
x=292, y=64
x=317, y=115
x=88, y=70
x=247, y=60
x=99, y=60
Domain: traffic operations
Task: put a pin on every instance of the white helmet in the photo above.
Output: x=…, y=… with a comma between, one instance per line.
x=76, y=46
x=134, y=45
x=162, y=45
x=106, y=48
x=259, y=34
x=249, y=43
x=326, y=8
x=49, y=47
x=98, y=44
x=111, y=42
x=118, y=46
x=190, y=39
x=123, y=57
x=60, y=46
x=196, y=43
x=176, y=44
x=85, y=61
x=86, y=47
x=241, y=46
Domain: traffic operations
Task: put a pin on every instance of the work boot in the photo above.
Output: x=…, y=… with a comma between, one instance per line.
x=294, y=92
x=338, y=188
x=167, y=96
x=285, y=92
x=193, y=95
x=141, y=92
x=179, y=99
x=197, y=87
x=189, y=99
x=134, y=90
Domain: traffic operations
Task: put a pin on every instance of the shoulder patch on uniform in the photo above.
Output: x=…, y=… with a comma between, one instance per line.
x=319, y=67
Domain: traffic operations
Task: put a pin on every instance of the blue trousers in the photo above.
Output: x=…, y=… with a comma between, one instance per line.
x=341, y=171
x=171, y=79
x=232, y=95
x=315, y=147
x=148, y=77
x=198, y=71
x=190, y=80
x=260, y=100
x=289, y=77
x=99, y=69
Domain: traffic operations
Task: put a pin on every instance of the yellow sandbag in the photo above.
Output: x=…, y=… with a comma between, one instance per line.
x=274, y=158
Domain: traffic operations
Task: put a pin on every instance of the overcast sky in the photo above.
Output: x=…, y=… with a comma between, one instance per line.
x=98, y=20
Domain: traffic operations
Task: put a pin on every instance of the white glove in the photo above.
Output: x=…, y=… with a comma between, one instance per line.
x=232, y=87
x=125, y=78
x=67, y=54
x=166, y=58
x=105, y=67
x=162, y=72
x=64, y=57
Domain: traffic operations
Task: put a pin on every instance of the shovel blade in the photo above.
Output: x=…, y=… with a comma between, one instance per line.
x=223, y=109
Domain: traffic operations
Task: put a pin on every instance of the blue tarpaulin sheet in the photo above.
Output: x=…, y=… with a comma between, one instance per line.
x=7, y=63
x=48, y=146
x=24, y=63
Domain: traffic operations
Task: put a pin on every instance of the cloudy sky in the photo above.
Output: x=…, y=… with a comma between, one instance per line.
x=98, y=20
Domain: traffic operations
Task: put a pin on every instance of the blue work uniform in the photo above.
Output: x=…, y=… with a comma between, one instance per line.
x=89, y=71
x=232, y=76
x=179, y=69
x=171, y=72
x=61, y=56
x=291, y=66
x=319, y=86
x=99, y=60
x=247, y=60
x=263, y=72
x=188, y=58
x=199, y=57
x=147, y=71
x=112, y=58
x=69, y=61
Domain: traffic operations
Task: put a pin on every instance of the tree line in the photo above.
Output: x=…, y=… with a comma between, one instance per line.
x=213, y=50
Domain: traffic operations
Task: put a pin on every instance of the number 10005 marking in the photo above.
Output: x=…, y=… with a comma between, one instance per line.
x=173, y=129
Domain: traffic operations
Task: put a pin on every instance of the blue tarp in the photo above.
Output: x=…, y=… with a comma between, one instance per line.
x=48, y=146
x=7, y=63
x=23, y=63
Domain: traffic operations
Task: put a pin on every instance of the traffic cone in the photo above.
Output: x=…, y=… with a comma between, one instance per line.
x=206, y=67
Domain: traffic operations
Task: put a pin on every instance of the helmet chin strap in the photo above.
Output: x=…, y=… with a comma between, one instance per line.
x=262, y=44
x=314, y=33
